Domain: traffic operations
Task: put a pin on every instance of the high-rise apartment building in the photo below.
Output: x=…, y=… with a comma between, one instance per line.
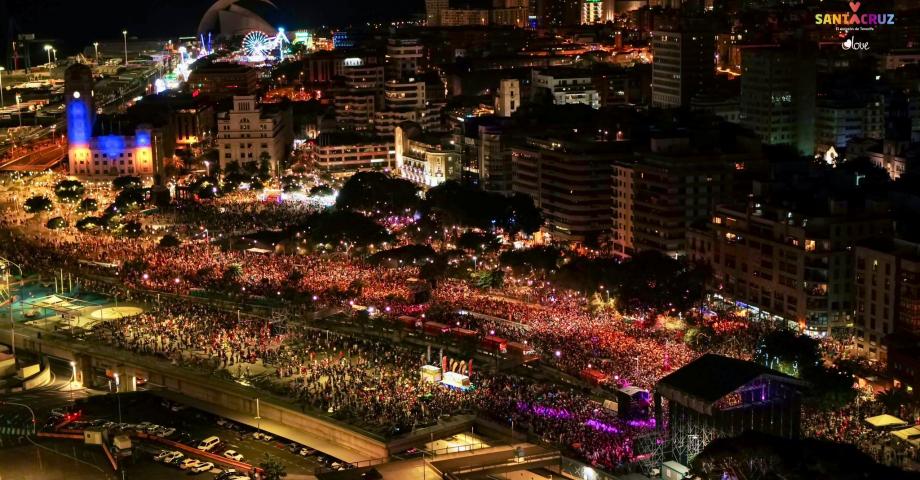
x=683, y=61
x=507, y=97
x=793, y=261
x=592, y=11
x=778, y=96
x=404, y=58
x=887, y=294
x=570, y=181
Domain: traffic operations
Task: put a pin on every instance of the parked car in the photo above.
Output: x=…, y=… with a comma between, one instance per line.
x=202, y=467
x=189, y=463
x=233, y=455
x=161, y=455
x=226, y=474
x=173, y=457
x=262, y=436
x=306, y=451
x=294, y=447
x=208, y=444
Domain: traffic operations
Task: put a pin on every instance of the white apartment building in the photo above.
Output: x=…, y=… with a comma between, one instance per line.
x=245, y=133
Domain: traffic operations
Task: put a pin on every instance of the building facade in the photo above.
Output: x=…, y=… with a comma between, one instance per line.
x=347, y=153
x=248, y=134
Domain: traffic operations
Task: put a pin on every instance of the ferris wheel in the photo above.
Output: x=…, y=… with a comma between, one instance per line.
x=257, y=45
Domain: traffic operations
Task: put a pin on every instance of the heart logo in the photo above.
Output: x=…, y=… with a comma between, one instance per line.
x=855, y=6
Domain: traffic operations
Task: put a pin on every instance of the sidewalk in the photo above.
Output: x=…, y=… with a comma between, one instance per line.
x=300, y=436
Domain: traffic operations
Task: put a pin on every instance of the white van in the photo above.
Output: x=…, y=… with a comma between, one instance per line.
x=208, y=443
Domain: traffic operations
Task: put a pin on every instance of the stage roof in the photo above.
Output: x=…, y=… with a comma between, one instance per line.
x=883, y=421
x=704, y=381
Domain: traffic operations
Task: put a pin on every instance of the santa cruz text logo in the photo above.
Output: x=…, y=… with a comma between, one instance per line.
x=854, y=18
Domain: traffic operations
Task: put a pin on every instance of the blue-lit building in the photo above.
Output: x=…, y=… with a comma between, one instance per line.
x=91, y=154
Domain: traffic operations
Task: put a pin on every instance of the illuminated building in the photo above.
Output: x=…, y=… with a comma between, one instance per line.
x=511, y=12
x=406, y=101
x=81, y=112
x=221, y=80
x=659, y=193
x=303, y=37
x=565, y=86
x=793, y=261
x=344, y=153
x=433, y=9
x=457, y=17
x=425, y=159
x=569, y=180
x=248, y=134
x=115, y=155
x=107, y=155
x=507, y=97
x=404, y=57
x=342, y=39
x=592, y=11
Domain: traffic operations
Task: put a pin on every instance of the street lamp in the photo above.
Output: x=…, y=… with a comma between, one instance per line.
x=54, y=54
x=6, y=264
x=1, y=87
x=207, y=168
x=19, y=110
x=48, y=51
x=125, y=34
x=96, y=47
x=73, y=378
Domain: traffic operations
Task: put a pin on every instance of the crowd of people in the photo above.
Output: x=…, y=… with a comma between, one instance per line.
x=366, y=381
x=848, y=425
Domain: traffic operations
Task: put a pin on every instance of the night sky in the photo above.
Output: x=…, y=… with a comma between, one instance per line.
x=76, y=23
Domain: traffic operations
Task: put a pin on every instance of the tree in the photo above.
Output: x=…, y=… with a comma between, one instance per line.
x=466, y=205
x=291, y=183
x=130, y=199
x=800, y=356
x=56, y=223
x=272, y=468
x=478, y=242
x=131, y=229
x=126, y=181
x=265, y=166
x=205, y=188
x=377, y=192
x=321, y=191
x=486, y=279
x=88, y=224
x=38, y=203
x=233, y=273
x=232, y=167
x=169, y=241
x=69, y=190
x=341, y=228
x=88, y=205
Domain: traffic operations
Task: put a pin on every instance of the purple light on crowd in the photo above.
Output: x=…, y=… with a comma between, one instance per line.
x=649, y=423
x=601, y=426
x=542, y=411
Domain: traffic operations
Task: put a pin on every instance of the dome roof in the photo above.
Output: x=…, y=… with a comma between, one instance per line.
x=227, y=18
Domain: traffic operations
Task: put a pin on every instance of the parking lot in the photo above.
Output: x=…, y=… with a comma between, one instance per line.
x=145, y=412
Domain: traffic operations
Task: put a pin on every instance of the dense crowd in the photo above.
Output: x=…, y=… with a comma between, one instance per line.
x=365, y=381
